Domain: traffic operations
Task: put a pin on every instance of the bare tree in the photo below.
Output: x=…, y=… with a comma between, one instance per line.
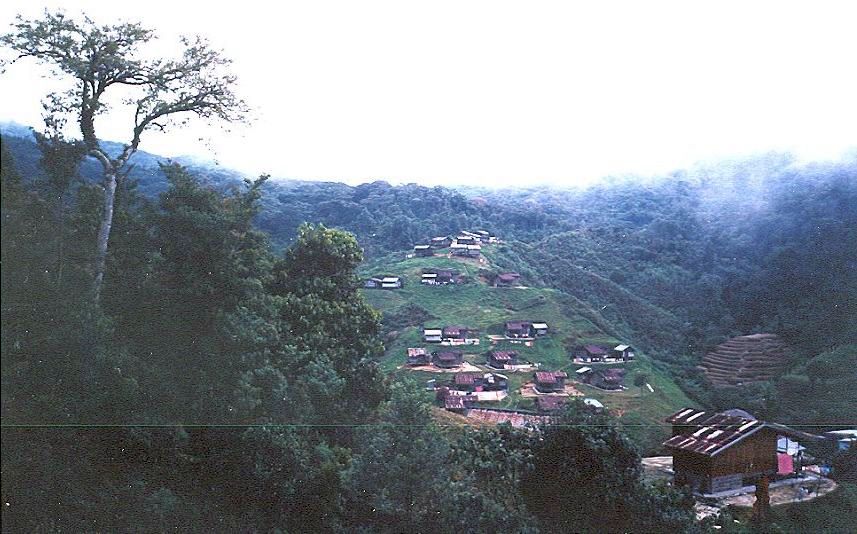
x=161, y=92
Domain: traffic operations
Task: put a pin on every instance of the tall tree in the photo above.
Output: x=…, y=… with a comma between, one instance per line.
x=101, y=59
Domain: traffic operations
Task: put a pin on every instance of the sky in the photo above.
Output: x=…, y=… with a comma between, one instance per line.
x=496, y=93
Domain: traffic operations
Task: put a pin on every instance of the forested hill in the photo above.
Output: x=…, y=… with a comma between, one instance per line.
x=677, y=263
x=219, y=383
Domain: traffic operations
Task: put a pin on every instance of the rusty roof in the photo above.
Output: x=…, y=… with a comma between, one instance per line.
x=450, y=355
x=504, y=355
x=466, y=379
x=549, y=377
x=709, y=434
x=419, y=351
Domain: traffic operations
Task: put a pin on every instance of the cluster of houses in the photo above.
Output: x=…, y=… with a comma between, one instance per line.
x=597, y=353
x=467, y=244
x=451, y=335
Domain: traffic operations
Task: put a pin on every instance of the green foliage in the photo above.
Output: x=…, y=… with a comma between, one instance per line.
x=586, y=478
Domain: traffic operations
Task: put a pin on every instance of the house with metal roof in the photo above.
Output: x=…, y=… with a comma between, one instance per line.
x=716, y=452
x=623, y=352
x=550, y=381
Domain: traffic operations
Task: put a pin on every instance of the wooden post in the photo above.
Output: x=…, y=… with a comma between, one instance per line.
x=762, y=506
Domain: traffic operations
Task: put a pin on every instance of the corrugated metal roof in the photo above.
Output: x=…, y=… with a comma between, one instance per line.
x=621, y=347
x=710, y=433
x=540, y=326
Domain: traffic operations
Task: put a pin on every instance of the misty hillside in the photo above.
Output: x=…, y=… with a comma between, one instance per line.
x=676, y=263
x=261, y=381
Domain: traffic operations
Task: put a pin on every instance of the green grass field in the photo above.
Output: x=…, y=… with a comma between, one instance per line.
x=475, y=304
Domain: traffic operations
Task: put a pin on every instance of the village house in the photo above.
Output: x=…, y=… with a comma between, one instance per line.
x=519, y=329
x=385, y=282
x=716, y=452
x=467, y=250
x=506, y=279
x=447, y=359
x=475, y=236
x=590, y=353
x=486, y=236
x=623, y=352
x=418, y=356
x=550, y=381
x=609, y=379
x=540, y=329
x=440, y=242
x=460, y=335
x=499, y=359
x=466, y=240
x=845, y=439
x=439, y=277
x=432, y=335
x=423, y=251
x=391, y=282
x=477, y=382
x=458, y=403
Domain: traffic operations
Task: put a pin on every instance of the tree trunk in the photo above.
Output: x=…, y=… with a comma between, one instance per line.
x=104, y=231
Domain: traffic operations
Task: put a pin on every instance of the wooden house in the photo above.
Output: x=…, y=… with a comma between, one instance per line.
x=423, y=251
x=540, y=329
x=418, y=356
x=440, y=277
x=499, y=359
x=590, y=353
x=458, y=403
x=432, y=335
x=550, y=381
x=477, y=382
x=518, y=329
x=448, y=359
x=456, y=333
x=391, y=282
x=623, y=352
x=611, y=379
x=467, y=250
x=464, y=239
x=715, y=452
x=440, y=242
x=506, y=279
x=372, y=283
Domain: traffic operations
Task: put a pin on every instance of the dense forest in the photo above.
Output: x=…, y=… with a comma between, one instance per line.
x=227, y=379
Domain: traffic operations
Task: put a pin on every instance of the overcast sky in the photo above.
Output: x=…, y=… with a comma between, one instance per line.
x=500, y=93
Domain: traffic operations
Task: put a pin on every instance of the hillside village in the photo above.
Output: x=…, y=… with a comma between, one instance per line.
x=493, y=350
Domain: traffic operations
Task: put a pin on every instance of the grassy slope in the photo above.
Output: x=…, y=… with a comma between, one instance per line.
x=475, y=304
